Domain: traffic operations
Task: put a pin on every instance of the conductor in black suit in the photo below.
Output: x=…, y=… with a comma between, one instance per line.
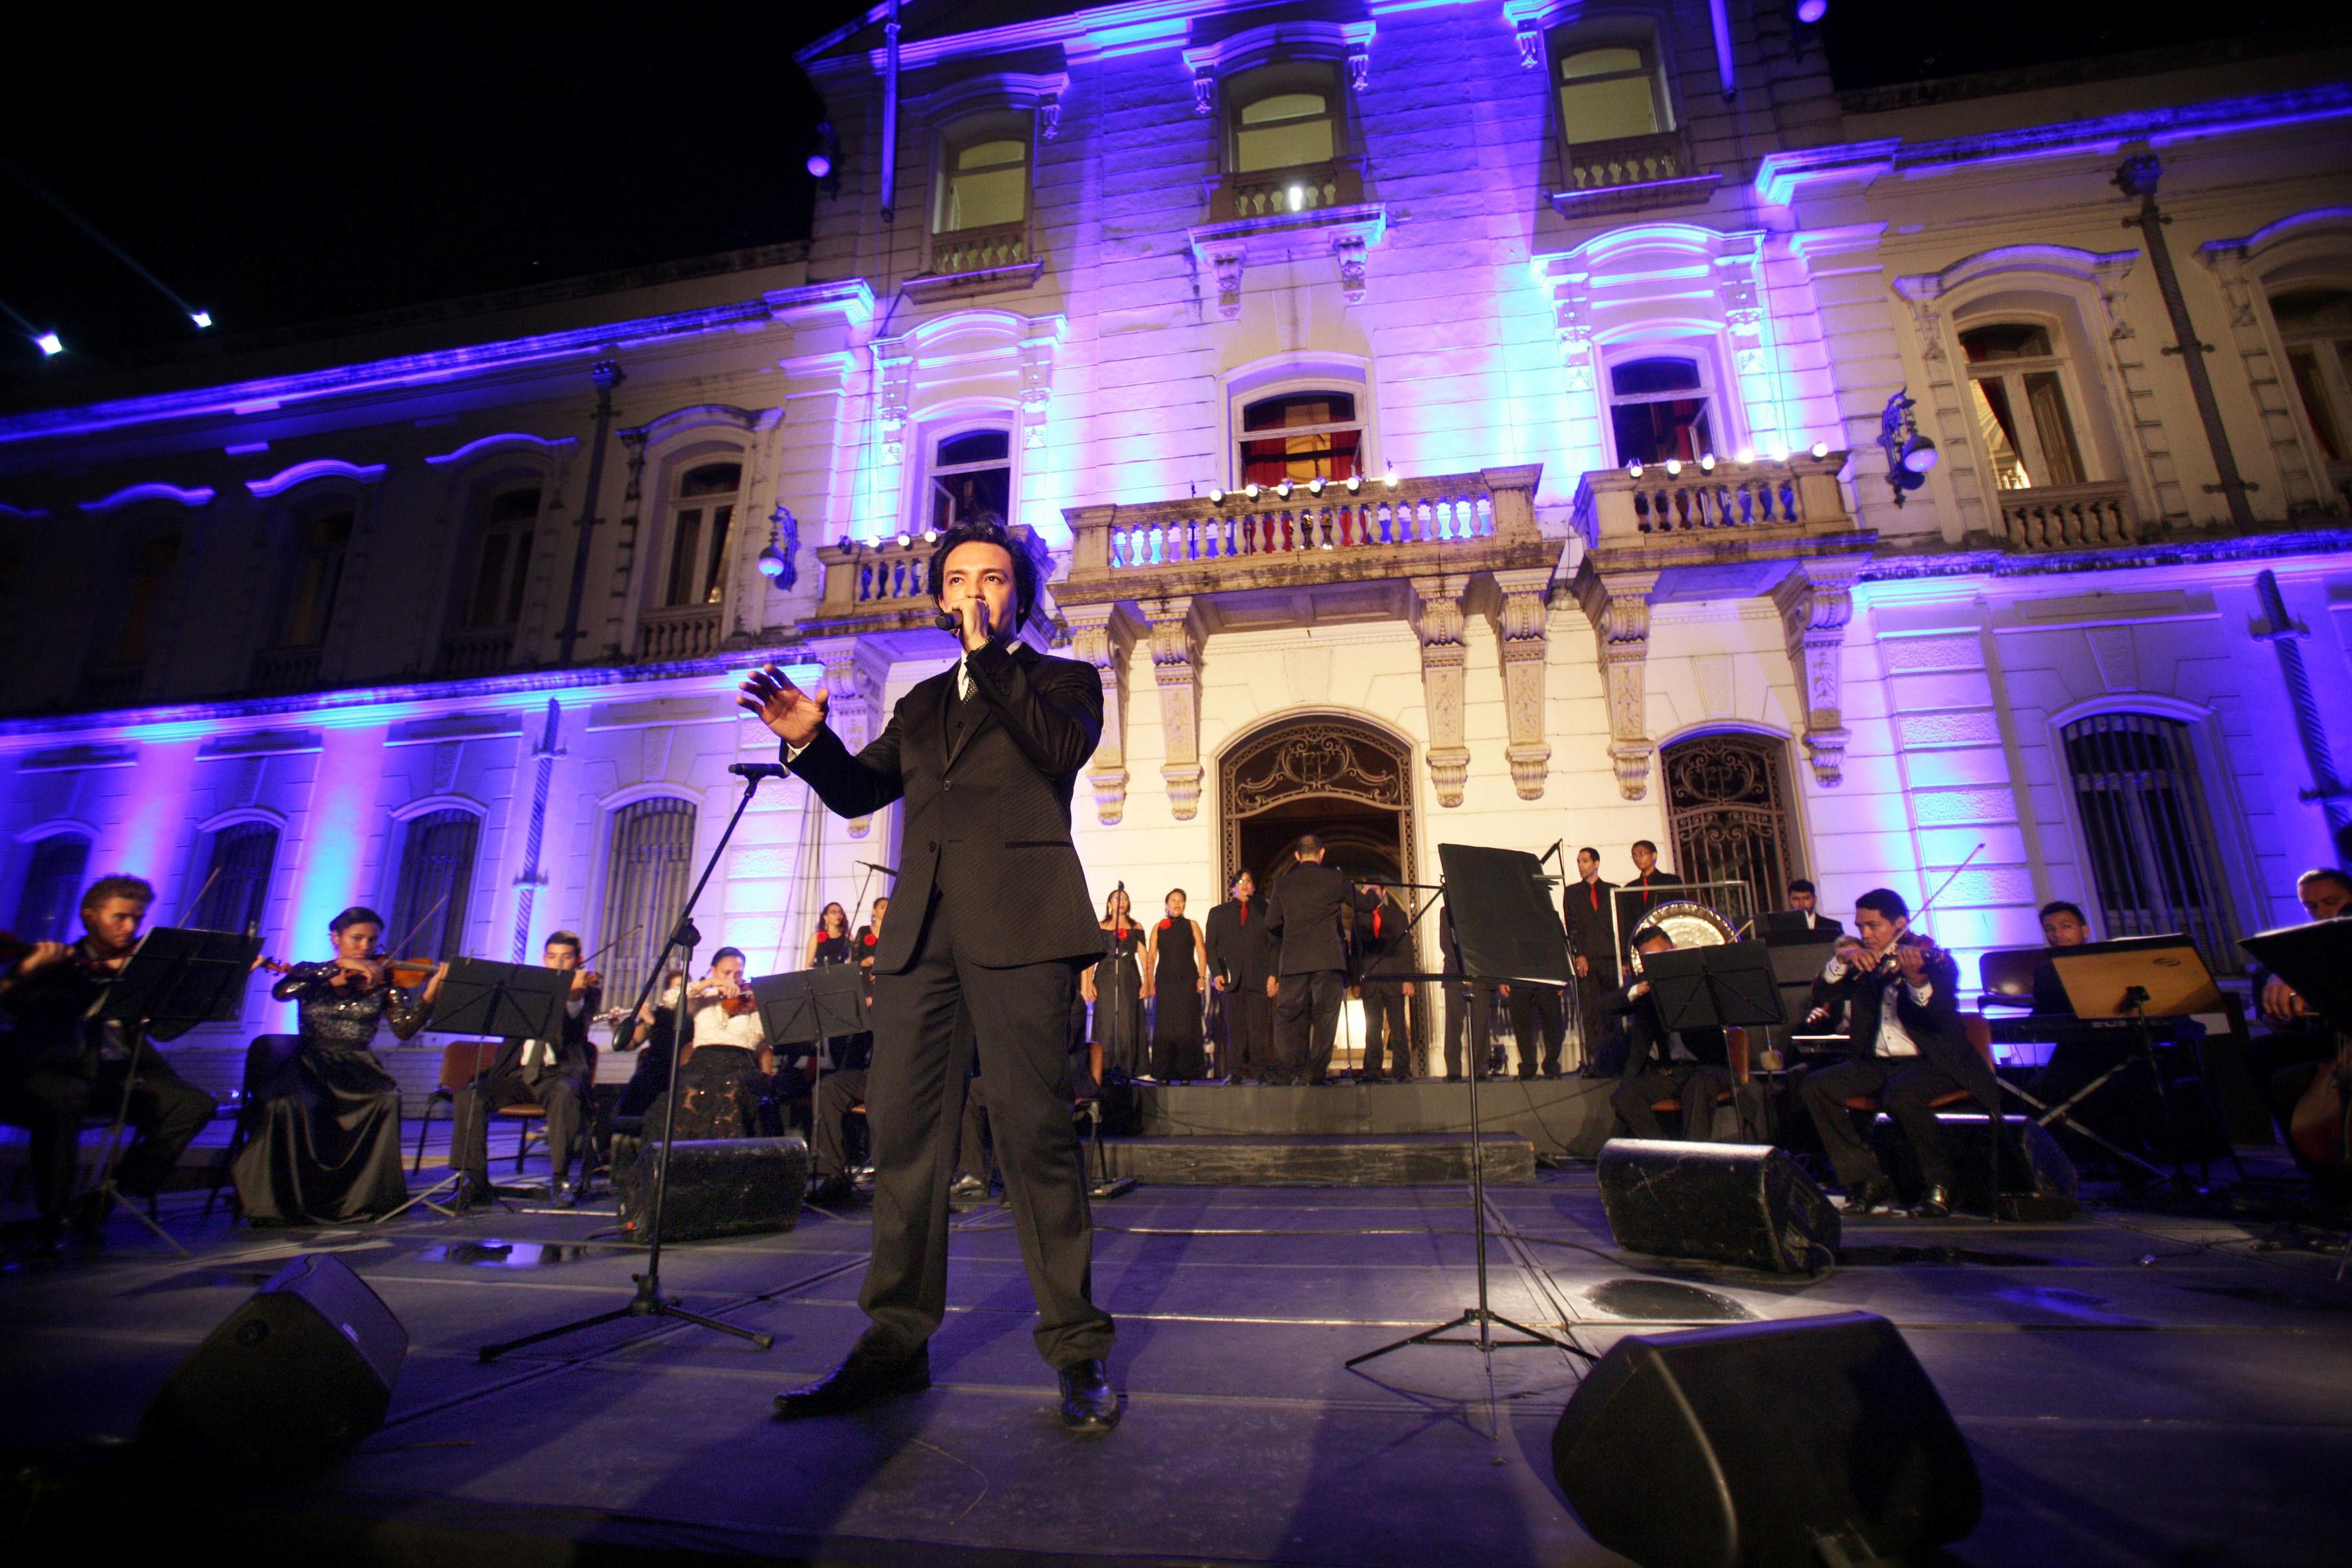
x=1311, y=911
x=556, y=1075
x=993, y=923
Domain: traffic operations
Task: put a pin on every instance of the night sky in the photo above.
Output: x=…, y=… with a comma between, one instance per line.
x=280, y=176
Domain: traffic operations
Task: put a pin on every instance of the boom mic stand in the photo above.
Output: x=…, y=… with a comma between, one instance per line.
x=649, y=1301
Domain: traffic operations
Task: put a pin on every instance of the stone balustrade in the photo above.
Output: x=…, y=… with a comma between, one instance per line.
x=284, y=669
x=1627, y=161
x=887, y=586
x=477, y=650
x=979, y=249
x=2068, y=517
x=678, y=632
x=1658, y=507
x=1272, y=192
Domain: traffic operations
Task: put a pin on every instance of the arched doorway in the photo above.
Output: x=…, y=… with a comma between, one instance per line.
x=1344, y=780
x=1728, y=817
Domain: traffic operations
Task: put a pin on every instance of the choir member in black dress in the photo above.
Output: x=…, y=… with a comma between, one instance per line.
x=1176, y=960
x=723, y=1068
x=829, y=944
x=326, y=1146
x=1384, y=948
x=1115, y=989
x=57, y=1066
x=556, y=1075
x=1241, y=961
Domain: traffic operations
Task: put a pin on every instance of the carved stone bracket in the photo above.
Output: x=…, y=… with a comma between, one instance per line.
x=1176, y=666
x=1619, y=607
x=852, y=683
x=1815, y=603
x=1227, y=266
x=1348, y=249
x=1437, y=620
x=1098, y=636
x=1526, y=596
x=894, y=378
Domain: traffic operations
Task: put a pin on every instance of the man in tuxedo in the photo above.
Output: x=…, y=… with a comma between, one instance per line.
x=1241, y=961
x=1586, y=911
x=1536, y=1024
x=1690, y=1065
x=984, y=959
x=1467, y=1001
x=556, y=1075
x=1308, y=913
x=1650, y=885
x=1907, y=1046
x=1803, y=921
x=1384, y=948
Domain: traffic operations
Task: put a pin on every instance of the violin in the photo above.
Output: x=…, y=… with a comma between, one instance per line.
x=15, y=950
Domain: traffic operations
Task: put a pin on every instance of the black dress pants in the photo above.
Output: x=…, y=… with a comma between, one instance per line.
x=1307, y=1025
x=923, y=1050
x=1475, y=999
x=1694, y=1084
x=1388, y=1029
x=166, y=1112
x=974, y=1157
x=560, y=1094
x=1249, y=1030
x=828, y=1140
x=1907, y=1087
x=1535, y=1016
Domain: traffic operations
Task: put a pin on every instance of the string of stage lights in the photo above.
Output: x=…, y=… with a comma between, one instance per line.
x=48, y=340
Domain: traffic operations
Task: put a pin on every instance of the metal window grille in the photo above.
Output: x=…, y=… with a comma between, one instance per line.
x=644, y=883
x=237, y=877
x=2150, y=841
x=437, y=873
x=1727, y=816
x=45, y=909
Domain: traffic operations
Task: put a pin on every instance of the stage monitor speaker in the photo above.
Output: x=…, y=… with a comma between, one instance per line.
x=1786, y=1444
x=290, y=1381
x=1740, y=1204
x=2038, y=1182
x=718, y=1187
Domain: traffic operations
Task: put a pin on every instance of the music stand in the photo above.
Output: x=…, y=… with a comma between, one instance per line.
x=1714, y=987
x=1506, y=927
x=812, y=1004
x=175, y=979
x=506, y=1001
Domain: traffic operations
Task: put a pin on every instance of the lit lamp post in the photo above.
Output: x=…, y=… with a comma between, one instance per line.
x=1909, y=455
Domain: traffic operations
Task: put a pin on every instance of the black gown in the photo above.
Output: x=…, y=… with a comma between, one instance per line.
x=720, y=1089
x=1119, y=1003
x=1176, y=1046
x=830, y=951
x=326, y=1139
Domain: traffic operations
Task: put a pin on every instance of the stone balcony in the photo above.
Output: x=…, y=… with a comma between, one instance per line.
x=1270, y=193
x=1732, y=513
x=278, y=671
x=1630, y=173
x=678, y=632
x=1288, y=215
x=2068, y=517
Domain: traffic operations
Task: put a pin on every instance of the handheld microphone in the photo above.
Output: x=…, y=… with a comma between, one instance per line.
x=756, y=769
x=946, y=622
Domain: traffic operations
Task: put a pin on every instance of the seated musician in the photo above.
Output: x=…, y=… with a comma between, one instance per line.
x=1906, y=1047
x=57, y=1066
x=722, y=1079
x=2062, y=925
x=2127, y=1109
x=556, y=1075
x=1685, y=1065
x=1803, y=921
x=2300, y=1044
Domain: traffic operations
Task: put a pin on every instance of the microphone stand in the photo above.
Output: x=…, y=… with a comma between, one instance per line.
x=649, y=1301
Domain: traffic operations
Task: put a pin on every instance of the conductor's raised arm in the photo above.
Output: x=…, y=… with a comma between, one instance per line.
x=849, y=786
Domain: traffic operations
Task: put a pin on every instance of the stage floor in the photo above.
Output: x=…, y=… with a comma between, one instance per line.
x=2138, y=1389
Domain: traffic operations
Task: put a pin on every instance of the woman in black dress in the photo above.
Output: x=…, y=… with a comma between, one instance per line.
x=326, y=1146
x=829, y=944
x=722, y=1074
x=1115, y=989
x=1177, y=960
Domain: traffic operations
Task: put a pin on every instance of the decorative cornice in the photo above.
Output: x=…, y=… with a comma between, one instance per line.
x=131, y=495
x=2207, y=551
x=475, y=448
x=285, y=479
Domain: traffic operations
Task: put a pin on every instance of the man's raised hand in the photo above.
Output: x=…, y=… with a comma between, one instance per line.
x=794, y=715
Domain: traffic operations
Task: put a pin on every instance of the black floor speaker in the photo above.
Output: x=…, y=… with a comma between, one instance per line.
x=718, y=1187
x=295, y=1376
x=2038, y=1182
x=1739, y=1204
x=1773, y=1444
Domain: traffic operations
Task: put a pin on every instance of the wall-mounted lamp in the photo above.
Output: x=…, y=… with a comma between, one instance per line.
x=824, y=164
x=1909, y=455
x=775, y=560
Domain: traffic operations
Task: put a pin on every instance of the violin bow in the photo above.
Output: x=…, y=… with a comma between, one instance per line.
x=590, y=962
x=415, y=930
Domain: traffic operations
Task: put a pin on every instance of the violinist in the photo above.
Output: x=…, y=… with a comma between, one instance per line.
x=723, y=1060
x=1908, y=1048
x=57, y=1066
x=556, y=1075
x=326, y=1145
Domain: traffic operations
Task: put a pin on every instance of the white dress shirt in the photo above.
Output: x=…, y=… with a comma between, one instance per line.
x=1893, y=1039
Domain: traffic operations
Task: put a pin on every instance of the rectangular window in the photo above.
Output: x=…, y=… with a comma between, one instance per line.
x=1300, y=436
x=1657, y=410
x=1283, y=131
x=651, y=859
x=319, y=580
x=971, y=473
x=436, y=874
x=2149, y=839
x=236, y=879
x=698, y=535
x=45, y=908
x=988, y=185
x=142, y=599
x=1607, y=94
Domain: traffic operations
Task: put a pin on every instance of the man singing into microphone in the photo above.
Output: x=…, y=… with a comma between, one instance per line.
x=993, y=925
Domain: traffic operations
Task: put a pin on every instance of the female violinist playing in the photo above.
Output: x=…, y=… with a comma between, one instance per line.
x=723, y=1066
x=325, y=1144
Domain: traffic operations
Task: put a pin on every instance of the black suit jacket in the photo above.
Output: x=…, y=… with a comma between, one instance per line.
x=1587, y=928
x=1307, y=910
x=1243, y=953
x=1389, y=950
x=1646, y=1037
x=1934, y=1026
x=573, y=1054
x=987, y=824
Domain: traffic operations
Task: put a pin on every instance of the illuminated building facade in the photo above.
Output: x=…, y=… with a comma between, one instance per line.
x=1449, y=422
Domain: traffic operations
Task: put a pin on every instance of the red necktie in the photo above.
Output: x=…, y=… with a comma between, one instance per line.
x=1244, y=914
x=1596, y=896
x=1376, y=925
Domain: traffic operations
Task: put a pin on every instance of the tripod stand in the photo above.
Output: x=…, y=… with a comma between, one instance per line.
x=649, y=1301
x=1500, y=898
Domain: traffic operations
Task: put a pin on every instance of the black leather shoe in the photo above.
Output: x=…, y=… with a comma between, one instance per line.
x=1871, y=1196
x=564, y=1196
x=856, y=1382
x=967, y=1190
x=1937, y=1204
x=1088, y=1403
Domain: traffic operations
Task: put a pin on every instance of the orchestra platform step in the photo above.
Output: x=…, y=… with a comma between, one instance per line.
x=1341, y=1159
x=1564, y=1118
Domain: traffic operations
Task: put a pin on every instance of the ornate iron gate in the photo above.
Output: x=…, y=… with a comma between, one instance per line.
x=1727, y=814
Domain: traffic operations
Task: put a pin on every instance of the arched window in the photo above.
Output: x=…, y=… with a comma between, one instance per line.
x=237, y=863
x=1658, y=409
x=1608, y=93
x=323, y=538
x=2315, y=326
x=437, y=873
x=1283, y=116
x=2023, y=411
x=502, y=566
x=2144, y=827
x=700, y=524
x=970, y=472
x=649, y=860
x=1728, y=819
x=985, y=181
x=53, y=874
x=1300, y=436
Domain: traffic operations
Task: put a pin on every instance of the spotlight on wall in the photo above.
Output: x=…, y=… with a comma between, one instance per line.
x=1746, y=456
x=1297, y=198
x=1673, y=468
x=1909, y=455
x=1355, y=483
x=1390, y=479
x=50, y=344
x=1707, y=462
x=1250, y=489
x=825, y=162
x=1820, y=450
x=1634, y=469
x=1282, y=490
x=905, y=540
x=1811, y=12
x=775, y=561
x=1216, y=498
x=1315, y=485
x=930, y=536
x=203, y=319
